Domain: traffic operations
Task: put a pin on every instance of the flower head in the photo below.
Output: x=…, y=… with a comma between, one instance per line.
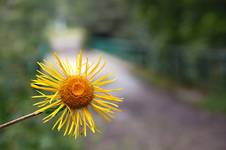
x=72, y=92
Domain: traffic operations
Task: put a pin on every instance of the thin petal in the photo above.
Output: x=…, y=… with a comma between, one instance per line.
x=60, y=64
x=95, y=67
x=110, y=98
x=100, y=69
x=49, y=106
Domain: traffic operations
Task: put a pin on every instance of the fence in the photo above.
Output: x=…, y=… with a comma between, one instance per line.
x=204, y=68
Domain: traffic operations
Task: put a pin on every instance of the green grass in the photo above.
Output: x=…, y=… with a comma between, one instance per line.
x=154, y=78
x=214, y=102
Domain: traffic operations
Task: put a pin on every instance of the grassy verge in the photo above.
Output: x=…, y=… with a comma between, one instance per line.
x=213, y=101
x=154, y=78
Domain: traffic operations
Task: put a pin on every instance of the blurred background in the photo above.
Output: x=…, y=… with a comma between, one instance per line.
x=169, y=56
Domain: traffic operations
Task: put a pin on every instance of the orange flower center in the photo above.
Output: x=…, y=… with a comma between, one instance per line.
x=76, y=92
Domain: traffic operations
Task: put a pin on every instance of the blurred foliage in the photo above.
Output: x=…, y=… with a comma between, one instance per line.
x=179, y=22
x=187, y=40
x=22, y=23
x=22, y=29
x=102, y=17
x=214, y=102
x=111, y=18
x=186, y=22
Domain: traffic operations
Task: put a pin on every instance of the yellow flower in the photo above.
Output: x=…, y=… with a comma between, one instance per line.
x=72, y=92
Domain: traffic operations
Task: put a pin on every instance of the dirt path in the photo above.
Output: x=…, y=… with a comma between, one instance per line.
x=153, y=120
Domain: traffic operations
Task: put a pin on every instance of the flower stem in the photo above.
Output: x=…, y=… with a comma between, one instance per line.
x=12, y=122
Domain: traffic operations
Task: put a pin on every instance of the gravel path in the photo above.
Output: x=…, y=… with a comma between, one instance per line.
x=152, y=119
